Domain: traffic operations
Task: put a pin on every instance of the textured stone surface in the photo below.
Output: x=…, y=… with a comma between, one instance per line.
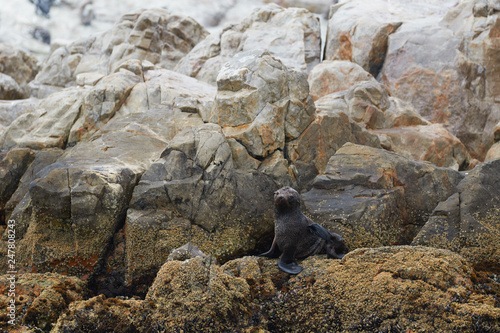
x=77, y=204
x=333, y=76
x=292, y=35
x=431, y=143
x=374, y=198
x=155, y=35
x=195, y=194
x=260, y=103
x=40, y=299
x=383, y=289
x=468, y=222
x=13, y=164
x=310, y=152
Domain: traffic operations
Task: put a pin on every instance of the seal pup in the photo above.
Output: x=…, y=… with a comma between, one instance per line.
x=296, y=236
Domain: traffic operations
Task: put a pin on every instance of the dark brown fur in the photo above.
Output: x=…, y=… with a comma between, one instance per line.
x=296, y=236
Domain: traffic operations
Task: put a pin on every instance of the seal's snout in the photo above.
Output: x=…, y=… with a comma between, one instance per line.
x=286, y=198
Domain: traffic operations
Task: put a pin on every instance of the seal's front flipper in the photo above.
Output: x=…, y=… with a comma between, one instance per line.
x=287, y=263
x=274, y=251
x=290, y=268
x=320, y=231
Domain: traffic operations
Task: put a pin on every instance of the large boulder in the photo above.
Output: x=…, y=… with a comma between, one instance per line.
x=395, y=122
x=432, y=143
x=76, y=205
x=47, y=125
x=261, y=103
x=154, y=35
x=384, y=289
x=468, y=222
x=292, y=35
x=439, y=56
x=373, y=197
x=357, y=34
x=195, y=194
x=74, y=114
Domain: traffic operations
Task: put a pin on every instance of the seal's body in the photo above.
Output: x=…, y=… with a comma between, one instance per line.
x=296, y=236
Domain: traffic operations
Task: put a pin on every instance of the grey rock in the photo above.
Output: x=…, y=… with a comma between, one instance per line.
x=292, y=35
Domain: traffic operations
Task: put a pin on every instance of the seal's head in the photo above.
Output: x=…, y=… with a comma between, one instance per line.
x=286, y=199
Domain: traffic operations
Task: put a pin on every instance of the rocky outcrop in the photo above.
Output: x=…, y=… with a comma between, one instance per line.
x=468, y=221
x=195, y=194
x=333, y=76
x=438, y=58
x=395, y=122
x=157, y=36
x=376, y=198
x=260, y=103
x=390, y=288
x=78, y=203
x=117, y=161
x=40, y=299
x=292, y=35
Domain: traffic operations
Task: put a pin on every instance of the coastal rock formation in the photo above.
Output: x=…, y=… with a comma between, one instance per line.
x=468, y=221
x=40, y=298
x=292, y=35
x=376, y=198
x=141, y=165
x=154, y=35
x=389, y=288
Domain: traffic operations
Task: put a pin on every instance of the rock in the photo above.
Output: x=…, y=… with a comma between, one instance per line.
x=468, y=221
x=13, y=164
x=291, y=35
x=163, y=87
x=154, y=35
x=101, y=103
x=382, y=289
x=260, y=103
x=217, y=296
x=78, y=203
x=187, y=251
x=40, y=298
x=334, y=76
x=17, y=69
x=397, y=124
x=431, y=143
x=376, y=198
x=73, y=114
x=195, y=194
x=41, y=160
x=101, y=314
x=11, y=110
x=309, y=153
x=356, y=35
x=48, y=125
x=458, y=70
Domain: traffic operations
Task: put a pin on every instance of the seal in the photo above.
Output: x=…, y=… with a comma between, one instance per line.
x=296, y=236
